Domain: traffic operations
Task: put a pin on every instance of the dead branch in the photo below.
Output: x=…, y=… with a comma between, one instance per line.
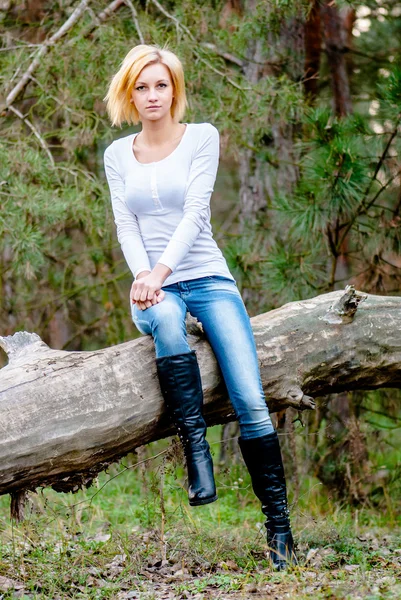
x=43, y=49
x=35, y=131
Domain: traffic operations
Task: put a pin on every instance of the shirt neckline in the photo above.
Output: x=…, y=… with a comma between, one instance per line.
x=156, y=162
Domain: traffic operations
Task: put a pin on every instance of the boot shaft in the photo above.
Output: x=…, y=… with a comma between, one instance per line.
x=181, y=387
x=263, y=459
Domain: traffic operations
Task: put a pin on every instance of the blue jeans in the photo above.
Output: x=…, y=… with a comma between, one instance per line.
x=216, y=302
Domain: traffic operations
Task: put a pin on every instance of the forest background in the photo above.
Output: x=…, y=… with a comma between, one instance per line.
x=307, y=98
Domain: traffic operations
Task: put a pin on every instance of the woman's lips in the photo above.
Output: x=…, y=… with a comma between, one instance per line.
x=152, y=107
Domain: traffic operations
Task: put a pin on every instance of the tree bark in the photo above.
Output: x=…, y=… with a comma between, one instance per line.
x=333, y=28
x=313, y=50
x=273, y=56
x=65, y=416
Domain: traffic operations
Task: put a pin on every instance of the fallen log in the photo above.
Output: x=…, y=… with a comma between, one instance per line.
x=65, y=416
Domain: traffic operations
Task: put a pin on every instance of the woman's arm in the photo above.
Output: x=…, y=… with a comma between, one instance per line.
x=199, y=189
x=145, y=290
x=128, y=232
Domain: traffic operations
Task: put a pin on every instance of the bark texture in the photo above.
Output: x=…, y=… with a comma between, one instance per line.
x=277, y=54
x=64, y=416
x=313, y=49
x=333, y=28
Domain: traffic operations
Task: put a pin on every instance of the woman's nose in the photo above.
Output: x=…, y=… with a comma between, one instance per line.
x=152, y=94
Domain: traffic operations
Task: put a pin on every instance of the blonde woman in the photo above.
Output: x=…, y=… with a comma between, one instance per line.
x=161, y=180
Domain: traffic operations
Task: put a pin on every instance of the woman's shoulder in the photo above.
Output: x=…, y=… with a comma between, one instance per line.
x=117, y=144
x=204, y=135
x=205, y=129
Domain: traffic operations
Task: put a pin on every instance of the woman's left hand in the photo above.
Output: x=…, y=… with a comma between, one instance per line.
x=158, y=297
x=145, y=292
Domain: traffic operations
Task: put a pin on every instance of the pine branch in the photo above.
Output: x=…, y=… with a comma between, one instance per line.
x=226, y=55
x=35, y=131
x=384, y=187
x=108, y=11
x=44, y=48
x=99, y=19
x=135, y=19
x=184, y=28
x=363, y=207
x=371, y=57
x=87, y=327
x=78, y=290
x=22, y=46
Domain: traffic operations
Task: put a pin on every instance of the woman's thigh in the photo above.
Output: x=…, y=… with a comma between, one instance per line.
x=220, y=308
x=166, y=323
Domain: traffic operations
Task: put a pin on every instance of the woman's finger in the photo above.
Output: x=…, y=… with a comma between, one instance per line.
x=144, y=294
x=160, y=295
x=144, y=304
x=136, y=293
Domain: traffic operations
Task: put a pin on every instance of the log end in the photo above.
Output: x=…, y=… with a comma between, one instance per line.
x=16, y=344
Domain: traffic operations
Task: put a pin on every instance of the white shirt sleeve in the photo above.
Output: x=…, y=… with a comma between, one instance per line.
x=199, y=189
x=128, y=232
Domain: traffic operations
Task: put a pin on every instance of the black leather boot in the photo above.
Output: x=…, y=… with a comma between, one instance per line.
x=263, y=459
x=181, y=387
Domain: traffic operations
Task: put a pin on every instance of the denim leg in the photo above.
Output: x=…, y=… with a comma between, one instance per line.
x=166, y=323
x=217, y=304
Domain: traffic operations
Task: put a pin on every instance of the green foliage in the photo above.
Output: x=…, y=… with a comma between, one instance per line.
x=59, y=254
x=49, y=211
x=330, y=209
x=112, y=538
x=344, y=203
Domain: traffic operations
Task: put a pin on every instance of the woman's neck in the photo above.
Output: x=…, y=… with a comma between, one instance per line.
x=155, y=133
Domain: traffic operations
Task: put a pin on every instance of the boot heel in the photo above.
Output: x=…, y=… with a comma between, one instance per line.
x=201, y=488
x=202, y=501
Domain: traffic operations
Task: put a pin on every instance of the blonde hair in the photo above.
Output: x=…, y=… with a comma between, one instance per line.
x=118, y=105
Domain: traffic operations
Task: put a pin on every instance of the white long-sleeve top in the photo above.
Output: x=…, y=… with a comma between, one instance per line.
x=162, y=209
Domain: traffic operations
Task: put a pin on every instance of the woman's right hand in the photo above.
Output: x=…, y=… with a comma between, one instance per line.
x=158, y=297
x=144, y=297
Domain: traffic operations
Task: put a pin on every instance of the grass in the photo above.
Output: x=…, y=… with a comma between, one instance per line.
x=134, y=536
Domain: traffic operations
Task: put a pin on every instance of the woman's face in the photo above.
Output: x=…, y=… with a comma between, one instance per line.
x=153, y=92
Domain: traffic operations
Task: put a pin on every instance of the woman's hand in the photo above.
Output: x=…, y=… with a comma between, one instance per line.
x=158, y=297
x=146, y=290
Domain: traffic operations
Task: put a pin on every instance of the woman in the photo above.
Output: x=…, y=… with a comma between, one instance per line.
x=161, y=180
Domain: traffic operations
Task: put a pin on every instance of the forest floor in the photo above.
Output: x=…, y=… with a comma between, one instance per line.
x=133, y=536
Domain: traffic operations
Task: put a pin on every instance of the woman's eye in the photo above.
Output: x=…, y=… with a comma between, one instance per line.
x=142, y=87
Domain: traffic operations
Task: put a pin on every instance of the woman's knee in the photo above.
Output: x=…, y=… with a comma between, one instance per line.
x=251, y=410
x=166, y=316
x=168, y=328
x=255, y=421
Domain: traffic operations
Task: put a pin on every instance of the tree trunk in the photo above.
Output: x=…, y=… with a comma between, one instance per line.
x=65, y=416
x=277, y=54
x=333, y=28
x=313, y=49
